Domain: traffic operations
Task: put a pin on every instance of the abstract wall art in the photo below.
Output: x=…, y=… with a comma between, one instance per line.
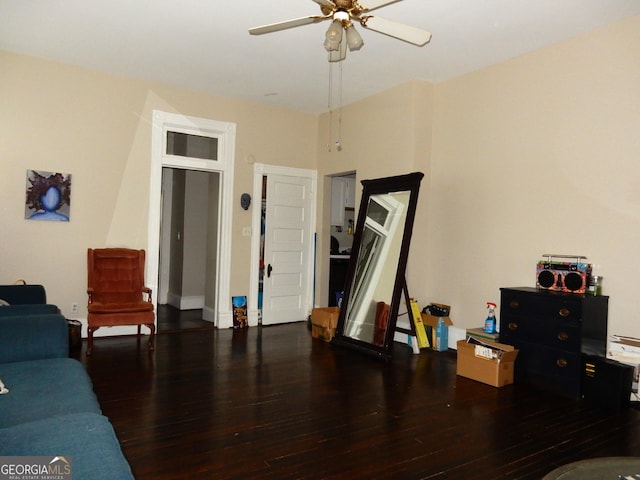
x=48, y=196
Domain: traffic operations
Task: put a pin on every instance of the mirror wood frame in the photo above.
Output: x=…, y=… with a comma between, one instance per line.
x=401, y=183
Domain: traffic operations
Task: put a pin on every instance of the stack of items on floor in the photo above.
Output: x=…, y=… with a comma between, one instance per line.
x=436, y=321
x=483, y=359
x=48, y=407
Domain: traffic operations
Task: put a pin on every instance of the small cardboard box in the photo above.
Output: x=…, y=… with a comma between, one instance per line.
x=496, y=371
x=324, y=322
x=439, y=340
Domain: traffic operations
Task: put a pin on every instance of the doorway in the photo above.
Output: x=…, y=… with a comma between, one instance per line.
x=283, y=254
x=342, y=227
x=188, y=245
x=188, y=147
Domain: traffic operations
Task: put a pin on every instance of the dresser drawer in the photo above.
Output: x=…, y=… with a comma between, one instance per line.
x=549, y=368
x=560, y=334
x=552, y=330
x=547, y=305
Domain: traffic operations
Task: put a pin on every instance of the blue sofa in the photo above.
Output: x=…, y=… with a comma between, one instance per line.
x=22, y=299
x=23, y=294
x=50, y=408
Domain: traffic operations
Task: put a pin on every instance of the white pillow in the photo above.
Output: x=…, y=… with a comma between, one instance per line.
x=3, y=389
x=3, y=303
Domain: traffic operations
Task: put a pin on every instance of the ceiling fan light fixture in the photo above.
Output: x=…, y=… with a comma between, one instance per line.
x=340, y=54
x=354, y=40
x=343, y=14
x=333, y=37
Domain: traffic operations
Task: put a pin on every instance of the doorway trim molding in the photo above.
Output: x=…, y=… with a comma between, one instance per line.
x=225, y=132
x=260, y=170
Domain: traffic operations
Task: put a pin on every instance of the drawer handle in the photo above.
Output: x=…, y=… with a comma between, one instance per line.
x=562, y=363
x=563, y=336
x=564, y=312
x=513, y=326
x=514, y=304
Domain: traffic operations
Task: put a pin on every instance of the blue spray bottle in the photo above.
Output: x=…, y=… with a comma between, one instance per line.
x=490, y=322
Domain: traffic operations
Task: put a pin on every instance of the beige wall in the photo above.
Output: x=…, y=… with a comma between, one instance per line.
x=538, y=155
x=535, y=155
x=97, y=127
x=388, y=134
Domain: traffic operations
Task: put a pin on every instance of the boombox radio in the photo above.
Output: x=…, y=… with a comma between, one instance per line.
x=563, y=276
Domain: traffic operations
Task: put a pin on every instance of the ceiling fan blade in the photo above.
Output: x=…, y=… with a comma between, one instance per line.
x=276, y=27
x=410, y=34
x=369, y=5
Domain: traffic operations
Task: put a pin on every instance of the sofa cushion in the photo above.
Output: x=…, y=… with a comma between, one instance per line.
x=21, y=294
x=33, y=337
x=86, y=439
x=27, y=309
x=45, y=388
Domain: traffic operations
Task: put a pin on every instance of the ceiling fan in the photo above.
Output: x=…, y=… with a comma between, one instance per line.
x=342, y=33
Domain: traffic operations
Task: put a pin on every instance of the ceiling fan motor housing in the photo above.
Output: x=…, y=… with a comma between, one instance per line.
x=344, y=4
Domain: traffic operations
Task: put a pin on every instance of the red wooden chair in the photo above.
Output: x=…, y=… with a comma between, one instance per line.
x=117, y=294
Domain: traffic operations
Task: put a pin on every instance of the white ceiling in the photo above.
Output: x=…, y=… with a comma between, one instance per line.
x=204, y=45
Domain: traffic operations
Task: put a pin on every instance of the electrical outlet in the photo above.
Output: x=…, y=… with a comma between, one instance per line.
x=74, y=307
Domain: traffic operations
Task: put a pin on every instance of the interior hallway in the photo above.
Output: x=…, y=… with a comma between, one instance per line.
x=171, y=320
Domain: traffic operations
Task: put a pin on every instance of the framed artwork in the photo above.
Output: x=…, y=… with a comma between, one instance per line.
x=48, y=196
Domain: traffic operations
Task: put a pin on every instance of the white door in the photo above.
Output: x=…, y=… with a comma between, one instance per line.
x=287, y=287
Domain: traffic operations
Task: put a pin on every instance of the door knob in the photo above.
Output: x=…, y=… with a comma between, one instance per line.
x=269, y=269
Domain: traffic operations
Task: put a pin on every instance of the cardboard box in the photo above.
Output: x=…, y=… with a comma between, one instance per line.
x=438, y=335
x=324, y=322
x=496, y=371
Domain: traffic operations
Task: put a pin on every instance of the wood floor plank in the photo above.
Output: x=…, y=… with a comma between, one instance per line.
x=273, y=403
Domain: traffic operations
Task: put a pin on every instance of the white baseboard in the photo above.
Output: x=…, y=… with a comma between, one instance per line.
x=455, y=334
x=407, y=340
x=253, y=317
x=182, y=302
x=116, y=330
x=208, y=314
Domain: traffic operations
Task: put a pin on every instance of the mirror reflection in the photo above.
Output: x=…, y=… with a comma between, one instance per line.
x=373, y=283
x=375, y=279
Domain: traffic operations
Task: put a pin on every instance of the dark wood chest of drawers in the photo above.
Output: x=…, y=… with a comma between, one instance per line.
x=553, y=330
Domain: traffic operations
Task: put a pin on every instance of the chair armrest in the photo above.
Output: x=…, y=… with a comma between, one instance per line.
x=147, y=290
x=33, y=337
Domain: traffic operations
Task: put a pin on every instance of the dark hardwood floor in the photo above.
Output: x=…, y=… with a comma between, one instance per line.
x=272, y=403
x=172, y=320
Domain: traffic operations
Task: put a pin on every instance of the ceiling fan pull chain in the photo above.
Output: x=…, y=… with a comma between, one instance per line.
x=330, y=107
x=339, y=139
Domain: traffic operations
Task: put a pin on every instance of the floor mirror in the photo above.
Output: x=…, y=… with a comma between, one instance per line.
x=376, y=275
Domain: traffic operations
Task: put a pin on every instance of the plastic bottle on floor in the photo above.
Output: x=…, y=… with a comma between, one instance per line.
x=490, y=322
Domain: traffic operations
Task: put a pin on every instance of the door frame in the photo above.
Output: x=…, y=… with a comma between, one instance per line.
x=225, y=132
x=260, y=170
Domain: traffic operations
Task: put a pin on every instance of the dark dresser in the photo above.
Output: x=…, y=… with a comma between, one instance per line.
x=553, y=330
